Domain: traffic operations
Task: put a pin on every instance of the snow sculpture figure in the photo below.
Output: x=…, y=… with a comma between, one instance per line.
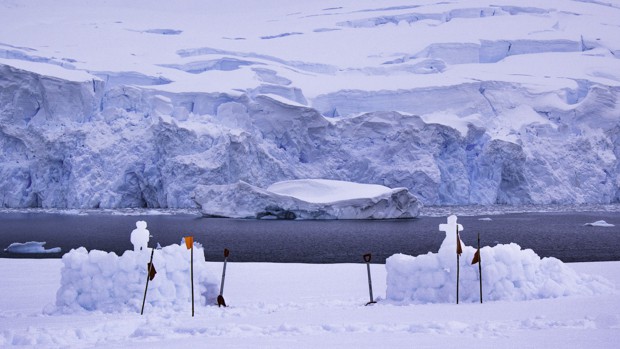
x=450, y=229
x=140, y=236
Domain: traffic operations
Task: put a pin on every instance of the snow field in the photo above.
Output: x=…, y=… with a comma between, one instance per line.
x=305, y=306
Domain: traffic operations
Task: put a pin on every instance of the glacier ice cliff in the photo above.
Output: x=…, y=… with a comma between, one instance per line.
x=462, y=114
x=69, y=143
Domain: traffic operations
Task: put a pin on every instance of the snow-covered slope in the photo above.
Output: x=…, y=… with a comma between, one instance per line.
x=116, y=104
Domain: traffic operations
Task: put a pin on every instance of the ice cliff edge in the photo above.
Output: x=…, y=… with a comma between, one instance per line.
x=307, y=199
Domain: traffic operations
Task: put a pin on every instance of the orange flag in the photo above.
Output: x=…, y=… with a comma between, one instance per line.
x=189, y=241
x=459, y=249
x=476, y=257
x=152, y=271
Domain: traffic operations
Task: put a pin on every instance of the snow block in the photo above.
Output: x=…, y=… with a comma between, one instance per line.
x=103, y=281
x=508, y=273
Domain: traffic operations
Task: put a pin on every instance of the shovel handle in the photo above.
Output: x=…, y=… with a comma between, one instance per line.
x=226, y=253
x=367, y=257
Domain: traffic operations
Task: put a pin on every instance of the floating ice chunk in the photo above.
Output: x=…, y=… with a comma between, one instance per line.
x=599, y=224
x=308, y=199
x=30, y=247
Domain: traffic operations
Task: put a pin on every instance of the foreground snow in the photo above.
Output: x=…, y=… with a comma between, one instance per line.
x=306, y=306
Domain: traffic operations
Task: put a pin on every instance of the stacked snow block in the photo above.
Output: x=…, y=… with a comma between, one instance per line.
x=103, y=281
x=508, y=273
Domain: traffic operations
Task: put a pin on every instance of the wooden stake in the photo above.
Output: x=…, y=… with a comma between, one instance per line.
x=148, y=277
x=480, y=267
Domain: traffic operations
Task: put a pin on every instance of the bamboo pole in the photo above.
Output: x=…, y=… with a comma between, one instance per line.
x=192, y=275
x=458, y=268
x=480, y=267
x=148, y=277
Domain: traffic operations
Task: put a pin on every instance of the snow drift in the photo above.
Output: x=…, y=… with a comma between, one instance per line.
x=485, y=106
x=308, y=199
x=98, y=280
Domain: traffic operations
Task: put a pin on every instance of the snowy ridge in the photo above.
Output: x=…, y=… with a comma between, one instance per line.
x=467, y=102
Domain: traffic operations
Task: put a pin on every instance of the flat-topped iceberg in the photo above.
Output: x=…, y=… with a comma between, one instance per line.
x=307, y=199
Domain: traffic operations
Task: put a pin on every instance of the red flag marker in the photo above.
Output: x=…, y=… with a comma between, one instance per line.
x=189, y=241
x=152, y=271
x=475, y=260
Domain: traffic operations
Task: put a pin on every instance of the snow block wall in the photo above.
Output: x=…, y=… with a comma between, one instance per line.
x=508, y=273
x=103, y=281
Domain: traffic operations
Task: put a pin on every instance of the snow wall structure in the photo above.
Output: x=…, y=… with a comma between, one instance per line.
x=509, y=273
x=99, y=280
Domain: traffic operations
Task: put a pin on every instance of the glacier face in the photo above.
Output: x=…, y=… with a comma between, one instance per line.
x=502, y=117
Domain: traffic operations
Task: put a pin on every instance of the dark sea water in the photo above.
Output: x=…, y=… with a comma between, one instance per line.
x=558, y=234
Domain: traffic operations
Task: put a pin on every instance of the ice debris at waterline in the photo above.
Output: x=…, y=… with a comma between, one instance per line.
x=508, y=273
x=103, y=281
x=30, y=247
x=599, y=224
x=307, y=199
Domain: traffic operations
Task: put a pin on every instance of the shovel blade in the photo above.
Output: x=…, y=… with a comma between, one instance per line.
x=221, y=301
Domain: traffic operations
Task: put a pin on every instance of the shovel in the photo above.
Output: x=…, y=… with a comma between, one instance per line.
x=367, y=258
x=220, y=298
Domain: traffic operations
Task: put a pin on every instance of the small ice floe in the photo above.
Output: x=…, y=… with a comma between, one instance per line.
x=30, y=247
x=485, y=219
x=599, y=224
